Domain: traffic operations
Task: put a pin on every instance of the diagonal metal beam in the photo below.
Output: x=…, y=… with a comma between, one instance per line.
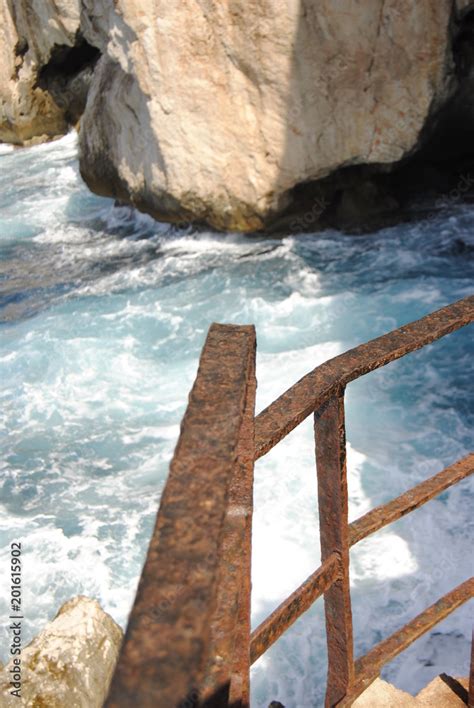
x=385, y=514
x=294, y=606
x=310, y=392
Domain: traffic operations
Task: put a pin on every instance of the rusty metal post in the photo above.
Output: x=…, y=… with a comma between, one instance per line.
x=239, y=517
x=187, y=640
x=330, y=438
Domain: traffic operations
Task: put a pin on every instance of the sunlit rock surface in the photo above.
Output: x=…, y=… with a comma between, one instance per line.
x=215, y=112
x=384, y=695
x=70, y=663
x=437, y=694
x=37, y=70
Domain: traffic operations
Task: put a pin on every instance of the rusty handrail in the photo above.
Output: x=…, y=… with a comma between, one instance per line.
x=293, y=607
x=188, y=640
x=310, y=392
x=191, y=607
x=318, y=582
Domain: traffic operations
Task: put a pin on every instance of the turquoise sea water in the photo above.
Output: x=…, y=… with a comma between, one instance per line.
x=104, y=312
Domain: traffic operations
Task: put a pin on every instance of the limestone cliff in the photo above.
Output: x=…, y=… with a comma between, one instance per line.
x=45, y=68
x=216, y=111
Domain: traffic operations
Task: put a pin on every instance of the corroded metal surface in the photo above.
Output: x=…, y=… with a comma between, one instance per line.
x=170, y=640
x=230, y=625
x=241, y=506
x=293, y=607
x=330, y=437
x=368, y=667
x=417, y=496
x=302, y=399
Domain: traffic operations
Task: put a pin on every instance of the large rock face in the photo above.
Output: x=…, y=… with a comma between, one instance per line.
x=70, y=663
x=214, y=111
x=35, y=38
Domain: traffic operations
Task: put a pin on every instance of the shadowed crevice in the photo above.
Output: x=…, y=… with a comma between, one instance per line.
x=68, y=74
x=455, y=687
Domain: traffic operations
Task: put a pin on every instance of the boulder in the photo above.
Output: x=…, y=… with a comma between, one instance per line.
x=70, y=663
x=384, y=695
x=214, y=112
x=442, y=692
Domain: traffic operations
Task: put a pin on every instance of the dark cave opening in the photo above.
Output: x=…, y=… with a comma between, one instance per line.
x=68, y=61
x=448, y=136
x=21, y=47
x=68, y=74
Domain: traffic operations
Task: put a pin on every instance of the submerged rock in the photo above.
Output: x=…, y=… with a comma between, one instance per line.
x=70, y=663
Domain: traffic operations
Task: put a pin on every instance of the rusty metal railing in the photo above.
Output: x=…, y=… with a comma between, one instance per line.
x=188, y=641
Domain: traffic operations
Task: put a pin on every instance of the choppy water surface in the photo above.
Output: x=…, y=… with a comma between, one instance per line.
x=104, y=313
